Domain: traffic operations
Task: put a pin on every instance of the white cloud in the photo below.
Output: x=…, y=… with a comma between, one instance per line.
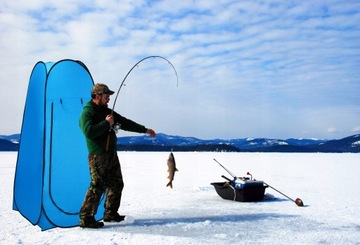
x=333, y=130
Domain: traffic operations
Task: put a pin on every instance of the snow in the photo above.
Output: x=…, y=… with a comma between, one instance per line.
x=192, y=212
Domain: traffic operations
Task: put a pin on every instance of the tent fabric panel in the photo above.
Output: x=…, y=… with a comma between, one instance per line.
x=44, y=223
x=68, y=158
x=29, y=168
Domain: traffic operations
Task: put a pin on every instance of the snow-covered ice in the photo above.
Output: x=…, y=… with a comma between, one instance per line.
x=192, y=212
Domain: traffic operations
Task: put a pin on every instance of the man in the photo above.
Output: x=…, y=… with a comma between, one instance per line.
x=96, y=122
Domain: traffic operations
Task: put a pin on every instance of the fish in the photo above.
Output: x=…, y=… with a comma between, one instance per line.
x=171, y=169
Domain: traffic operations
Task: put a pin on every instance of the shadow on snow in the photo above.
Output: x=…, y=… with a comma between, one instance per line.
x=202, y=219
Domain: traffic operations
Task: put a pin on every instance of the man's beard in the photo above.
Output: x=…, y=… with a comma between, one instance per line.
x=105, y=105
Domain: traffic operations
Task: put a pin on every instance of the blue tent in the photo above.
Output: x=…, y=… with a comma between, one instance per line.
x=52, y=173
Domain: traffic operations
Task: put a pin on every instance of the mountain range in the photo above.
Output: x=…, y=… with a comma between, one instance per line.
x=164, y=142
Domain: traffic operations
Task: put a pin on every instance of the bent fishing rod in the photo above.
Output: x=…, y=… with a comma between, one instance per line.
x=136, y=65
x=123, y=83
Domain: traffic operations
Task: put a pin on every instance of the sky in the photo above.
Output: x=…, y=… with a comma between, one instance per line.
x=276, y=69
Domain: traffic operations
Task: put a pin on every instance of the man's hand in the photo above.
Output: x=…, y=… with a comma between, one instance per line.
x=151, y=132
x=110, y=119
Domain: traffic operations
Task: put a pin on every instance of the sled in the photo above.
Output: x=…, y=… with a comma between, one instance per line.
x=242, y=189
x=249, y=191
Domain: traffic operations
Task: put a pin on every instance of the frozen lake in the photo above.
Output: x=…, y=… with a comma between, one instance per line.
x=192, y=212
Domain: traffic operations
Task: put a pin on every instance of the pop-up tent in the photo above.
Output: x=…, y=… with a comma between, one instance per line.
x=52, y=173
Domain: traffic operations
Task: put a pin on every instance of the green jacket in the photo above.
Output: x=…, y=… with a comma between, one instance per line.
x=96, y=129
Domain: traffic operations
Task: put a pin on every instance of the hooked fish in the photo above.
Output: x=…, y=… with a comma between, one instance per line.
x=171, y=169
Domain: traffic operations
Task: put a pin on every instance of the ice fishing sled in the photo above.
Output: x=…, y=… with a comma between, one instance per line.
x=245, y=189
x=242, y=189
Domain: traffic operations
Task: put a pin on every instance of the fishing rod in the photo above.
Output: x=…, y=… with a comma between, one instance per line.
x=297, y=201
x=227, y=170
x=132, y=68
x=123, y=83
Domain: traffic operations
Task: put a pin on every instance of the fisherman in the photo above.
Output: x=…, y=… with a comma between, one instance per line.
x=98, y=123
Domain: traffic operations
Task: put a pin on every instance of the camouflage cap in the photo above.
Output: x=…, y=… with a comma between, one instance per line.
x=100, y=88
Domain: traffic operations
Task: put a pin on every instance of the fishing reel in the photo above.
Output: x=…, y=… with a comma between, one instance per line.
x=116, y=127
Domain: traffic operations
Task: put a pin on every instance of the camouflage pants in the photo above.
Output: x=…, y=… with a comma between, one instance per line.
x=105, y=174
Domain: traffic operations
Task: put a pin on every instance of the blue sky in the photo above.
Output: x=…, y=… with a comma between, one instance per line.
x=254, y=68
